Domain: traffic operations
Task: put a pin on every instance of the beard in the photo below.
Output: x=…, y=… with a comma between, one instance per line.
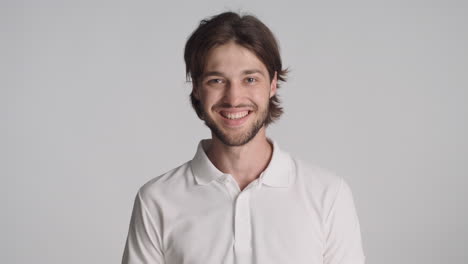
x=239, y=139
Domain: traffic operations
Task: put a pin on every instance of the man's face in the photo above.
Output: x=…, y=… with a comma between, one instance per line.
x=234, y=92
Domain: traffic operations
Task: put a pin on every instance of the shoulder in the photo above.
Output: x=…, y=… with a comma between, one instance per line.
x=167, y=183
x=320, y=183
x=315, y=175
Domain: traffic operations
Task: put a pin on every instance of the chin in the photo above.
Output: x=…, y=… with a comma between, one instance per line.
x=234, y=137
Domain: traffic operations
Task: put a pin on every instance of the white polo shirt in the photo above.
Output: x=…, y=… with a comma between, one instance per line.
x=292, y=214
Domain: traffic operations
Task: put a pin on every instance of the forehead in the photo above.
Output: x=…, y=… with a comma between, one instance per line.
x=232, y=58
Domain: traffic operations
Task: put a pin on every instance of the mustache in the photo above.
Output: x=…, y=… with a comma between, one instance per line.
x=227, y=105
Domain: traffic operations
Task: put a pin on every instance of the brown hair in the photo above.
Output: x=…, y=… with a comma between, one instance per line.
x=246, y=31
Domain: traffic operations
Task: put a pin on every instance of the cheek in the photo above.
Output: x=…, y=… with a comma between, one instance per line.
x=262, y=97
x=209, y=99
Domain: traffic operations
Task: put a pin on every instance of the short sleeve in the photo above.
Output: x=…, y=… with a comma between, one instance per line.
x=143, y=243
x=342, y=230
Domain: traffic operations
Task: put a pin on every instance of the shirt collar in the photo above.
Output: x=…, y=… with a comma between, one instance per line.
x=277, y=173
x=202, y=168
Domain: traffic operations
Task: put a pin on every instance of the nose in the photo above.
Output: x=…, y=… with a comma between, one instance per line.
x=233, y=93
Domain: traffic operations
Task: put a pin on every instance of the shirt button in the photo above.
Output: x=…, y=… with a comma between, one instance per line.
x=225, y=179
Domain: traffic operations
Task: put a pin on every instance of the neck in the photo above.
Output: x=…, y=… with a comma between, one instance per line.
x=245, y=163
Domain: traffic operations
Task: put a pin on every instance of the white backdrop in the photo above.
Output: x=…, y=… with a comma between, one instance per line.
x=94, y=104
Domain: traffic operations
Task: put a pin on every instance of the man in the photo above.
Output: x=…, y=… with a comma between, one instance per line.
x=241, y=199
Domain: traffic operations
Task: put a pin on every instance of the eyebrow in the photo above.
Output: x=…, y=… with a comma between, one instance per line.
x=246, y=72
x=252, y=72
x=212, y=73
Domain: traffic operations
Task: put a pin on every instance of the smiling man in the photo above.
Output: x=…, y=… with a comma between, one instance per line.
x=241, y=199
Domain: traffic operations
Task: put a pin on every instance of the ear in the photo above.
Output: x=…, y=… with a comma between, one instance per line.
x=274, y=85
x=196, y=92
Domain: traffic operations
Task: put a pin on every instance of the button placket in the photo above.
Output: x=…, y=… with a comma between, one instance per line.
x=242, y=223
x=226, y=182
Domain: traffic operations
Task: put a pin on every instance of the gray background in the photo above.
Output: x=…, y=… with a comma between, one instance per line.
x=94, y=104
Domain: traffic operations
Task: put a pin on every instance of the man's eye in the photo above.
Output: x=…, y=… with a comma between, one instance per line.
x=215, y=81
x=250, y=80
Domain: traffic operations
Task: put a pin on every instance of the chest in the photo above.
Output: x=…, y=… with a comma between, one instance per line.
x=254, y=226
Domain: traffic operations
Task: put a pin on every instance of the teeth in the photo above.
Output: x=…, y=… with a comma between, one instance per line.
x=235, y=115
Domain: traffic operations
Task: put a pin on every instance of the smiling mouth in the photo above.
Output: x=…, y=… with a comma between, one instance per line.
x=234, y=115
